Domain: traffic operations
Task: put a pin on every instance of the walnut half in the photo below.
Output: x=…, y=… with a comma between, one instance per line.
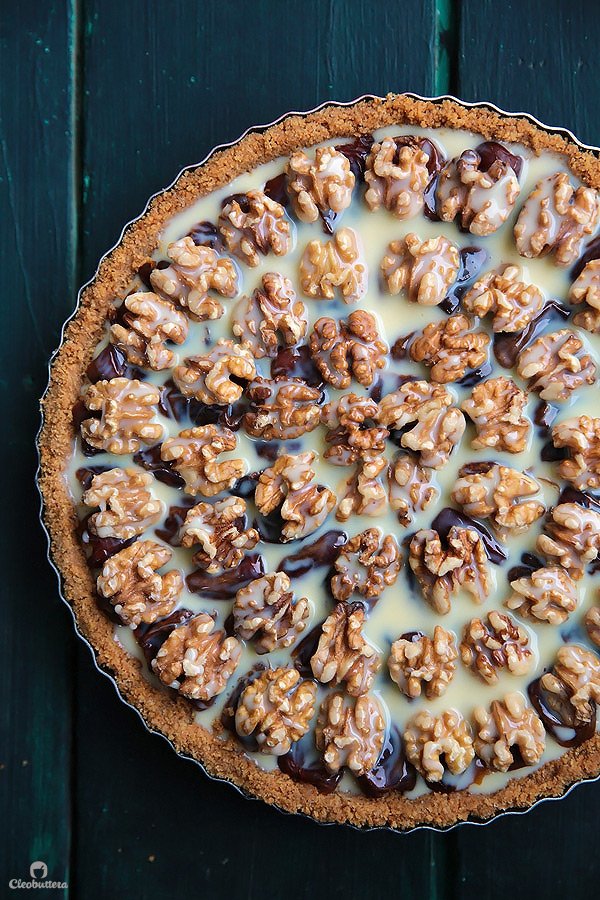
x=319, y=186
x=350, y=734
x=288, y=483
x=367, y=564
x=498, y=494
x=509, y=723
x=127, y=507
x=496, y=409
x=425, y=269
x=267, y=613
x=342, y=350
x=195, y=455
x=416, y=658
x=343, y=654
x=498, y=644
x=582, y=437
x=429, y=738
x=548, y=594
x=574, y=683
x=338, y=263
x=277, y=707
x=443, y=570
x=221, y=531
x=450, y=348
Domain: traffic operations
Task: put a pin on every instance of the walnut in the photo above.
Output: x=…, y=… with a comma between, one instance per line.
x=221, y=531
x=343, y=654
x=277, y=706
x=397, y=178
x=195, y=453
x=127, y=410
x=367, y=564
x=350, y=735
x=574, y=683
x=341, y=349
x=513, y=302
x=443, y=571
x=194, y=272
x=592, y=624
x=555, y=219
x=283, y=408
x=352, y=431
x=410, y=488
x=130, y=581
x=548, y=594
x=364, y=493
x=496, y=409
x=582, y=437
x=417, y=658
x=271, y=312
x=484, y=200
x=572, y=539
x=288, y=483
x=126, y=505
x=197, y=661
x=556, y=366
x=509, y=723
x=498, y=494
x=438, y=425
x=428, y=738
x=267, y=613
x=144, y=328
x=209, y=378
x=338, y=263
x=319, y=186
x=450, y=348
x=253, y=224
x=586, y=289
x=426, y=270
x=498, y=644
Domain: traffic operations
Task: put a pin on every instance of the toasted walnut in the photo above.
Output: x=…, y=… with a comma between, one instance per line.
x=144, y=328
x=271, y=312
x=319, y=186
x=195, y=453
x=582, y=437
x=410, y=488
x=425, y=269
x=349, y=734
x=253, y=224
x=126, y=505
x=197, y=661
x=130, y=581
x=417, y=658
x=496, y=409
x=450, y=348
x=277, y=706
x=367, y=564
x=548, y=594
x=284, y=408
x=267, y=613
x=513, y=302
x=428, y=738
x=498, y=494
x=338, y=263
x=443, y=571
x=343, y=654
x=556, y=366
x=127, y=409
x=288, y=483
x=509, y=723
x=397, y=177
x=210, y=378
x=221, y=531
x=194, y=272
x=352, y=431
x=341, y=349
x=483, y=199
x=586, y=289
x=592, y=624
x=438, y=425
x=574, y=683
x=572, y=539
x=555, y=218
x=498, y=644
x=364, y=493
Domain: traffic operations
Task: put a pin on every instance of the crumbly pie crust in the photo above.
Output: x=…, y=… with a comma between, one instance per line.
x=350, y=729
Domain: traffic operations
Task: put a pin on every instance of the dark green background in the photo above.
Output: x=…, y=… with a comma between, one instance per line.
x=101, y=103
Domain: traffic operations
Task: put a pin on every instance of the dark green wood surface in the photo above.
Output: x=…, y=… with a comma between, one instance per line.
x=101, y=103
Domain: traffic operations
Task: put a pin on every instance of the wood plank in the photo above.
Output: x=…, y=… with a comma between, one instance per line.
x=37, y=200
x=161, y=89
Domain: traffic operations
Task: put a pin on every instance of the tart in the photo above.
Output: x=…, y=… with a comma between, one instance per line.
x=320, y=463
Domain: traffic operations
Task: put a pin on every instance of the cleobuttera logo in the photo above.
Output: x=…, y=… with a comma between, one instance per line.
x=38, y=870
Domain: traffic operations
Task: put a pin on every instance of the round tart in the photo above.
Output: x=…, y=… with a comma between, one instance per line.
x=320, y=463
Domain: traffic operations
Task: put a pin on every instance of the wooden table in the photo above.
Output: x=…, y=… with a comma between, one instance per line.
x=101, y=104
